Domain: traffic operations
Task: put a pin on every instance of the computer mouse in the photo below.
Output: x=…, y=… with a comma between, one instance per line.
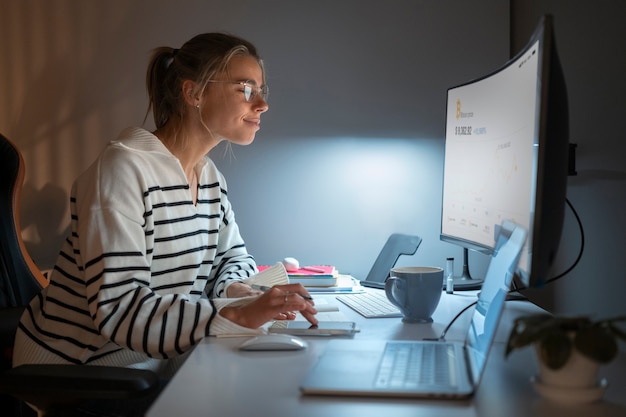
x=291, y=264
x=274, y=342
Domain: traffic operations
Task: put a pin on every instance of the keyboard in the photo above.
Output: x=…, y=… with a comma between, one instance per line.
x=370, y=304
x=409, y=365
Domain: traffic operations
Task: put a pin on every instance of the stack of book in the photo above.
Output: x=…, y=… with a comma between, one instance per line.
x=311, y=276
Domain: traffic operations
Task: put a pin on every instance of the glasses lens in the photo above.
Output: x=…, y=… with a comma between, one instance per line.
x=248, y=92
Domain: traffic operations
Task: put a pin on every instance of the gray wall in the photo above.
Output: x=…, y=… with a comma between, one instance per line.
x=350, y=151
x=352, y=147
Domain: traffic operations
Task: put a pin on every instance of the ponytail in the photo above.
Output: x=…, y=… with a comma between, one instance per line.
x=162, y=84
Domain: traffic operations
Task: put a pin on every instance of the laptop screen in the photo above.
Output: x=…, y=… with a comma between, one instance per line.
x=491, y=299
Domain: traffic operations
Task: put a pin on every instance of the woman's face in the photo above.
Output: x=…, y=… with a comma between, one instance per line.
x=224, y=108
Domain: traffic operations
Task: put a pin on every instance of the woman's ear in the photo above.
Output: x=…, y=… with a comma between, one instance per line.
x=190, y=95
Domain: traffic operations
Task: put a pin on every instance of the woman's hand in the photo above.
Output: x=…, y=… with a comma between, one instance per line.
x=278, y=303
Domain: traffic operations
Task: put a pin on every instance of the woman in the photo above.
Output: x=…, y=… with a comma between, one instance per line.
x=155, y=262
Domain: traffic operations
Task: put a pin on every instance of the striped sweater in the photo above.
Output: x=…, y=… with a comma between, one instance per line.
x=140, y=255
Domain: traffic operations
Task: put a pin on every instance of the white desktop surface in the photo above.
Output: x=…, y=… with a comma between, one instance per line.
x=219, y=380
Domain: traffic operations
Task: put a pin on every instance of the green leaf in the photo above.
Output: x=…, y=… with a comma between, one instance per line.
x=617, y=331
x=527, y=330
x=555, y=349
x=597, y=343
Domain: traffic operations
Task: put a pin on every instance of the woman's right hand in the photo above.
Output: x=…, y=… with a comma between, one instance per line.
x=278, y=303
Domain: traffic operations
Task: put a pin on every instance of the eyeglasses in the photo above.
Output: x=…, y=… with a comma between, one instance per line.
x=250, y=91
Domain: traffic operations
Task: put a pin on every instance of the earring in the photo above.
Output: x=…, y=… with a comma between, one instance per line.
x=197, y=105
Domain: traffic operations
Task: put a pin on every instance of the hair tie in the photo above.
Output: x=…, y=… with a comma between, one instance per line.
x=170, y=59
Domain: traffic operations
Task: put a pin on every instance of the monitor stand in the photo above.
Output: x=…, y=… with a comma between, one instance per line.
x=465, y=282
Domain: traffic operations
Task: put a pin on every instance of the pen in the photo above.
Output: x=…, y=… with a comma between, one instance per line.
x=312, y=269
x=265, y=288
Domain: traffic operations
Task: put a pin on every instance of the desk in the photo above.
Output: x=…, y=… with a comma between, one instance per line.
x=219, y=380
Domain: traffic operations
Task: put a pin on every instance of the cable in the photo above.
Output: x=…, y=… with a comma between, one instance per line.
x=575, y=263
x=582, y=245
x=463, y=310
x=515, y=290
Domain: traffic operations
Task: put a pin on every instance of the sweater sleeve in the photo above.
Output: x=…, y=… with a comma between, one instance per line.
x=275, y=275
x=232, y=261
x=127, y=305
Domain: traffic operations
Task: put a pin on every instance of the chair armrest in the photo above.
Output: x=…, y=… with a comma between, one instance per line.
x=47, y=386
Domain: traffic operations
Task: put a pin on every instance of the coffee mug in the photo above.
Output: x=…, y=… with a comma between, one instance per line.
x=416, y=291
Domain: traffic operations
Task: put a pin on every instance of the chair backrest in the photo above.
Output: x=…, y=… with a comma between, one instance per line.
x=20, y=279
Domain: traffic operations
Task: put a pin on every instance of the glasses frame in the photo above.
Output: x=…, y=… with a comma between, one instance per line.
x=250, y=91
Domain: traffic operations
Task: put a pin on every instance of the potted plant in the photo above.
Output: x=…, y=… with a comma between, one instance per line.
x=570, y=351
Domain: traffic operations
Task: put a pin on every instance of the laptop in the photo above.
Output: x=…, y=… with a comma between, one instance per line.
x=396, y=368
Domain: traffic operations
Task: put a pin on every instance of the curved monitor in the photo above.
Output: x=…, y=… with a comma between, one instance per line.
x=506, y=156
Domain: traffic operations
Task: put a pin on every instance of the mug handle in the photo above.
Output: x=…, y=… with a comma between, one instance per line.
x=389, y=283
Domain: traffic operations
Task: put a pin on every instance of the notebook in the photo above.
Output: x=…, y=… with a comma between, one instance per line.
x=363, y=367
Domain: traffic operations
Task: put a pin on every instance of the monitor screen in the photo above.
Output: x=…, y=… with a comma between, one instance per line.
x=506, y=155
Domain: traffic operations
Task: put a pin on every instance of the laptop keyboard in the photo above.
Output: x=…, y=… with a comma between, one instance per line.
x=370, y=304
x=407, y=365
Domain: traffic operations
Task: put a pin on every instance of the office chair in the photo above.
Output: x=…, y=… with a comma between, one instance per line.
x=53, y=389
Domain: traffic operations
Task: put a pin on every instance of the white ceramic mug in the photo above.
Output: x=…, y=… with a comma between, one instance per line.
x=416, y=291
